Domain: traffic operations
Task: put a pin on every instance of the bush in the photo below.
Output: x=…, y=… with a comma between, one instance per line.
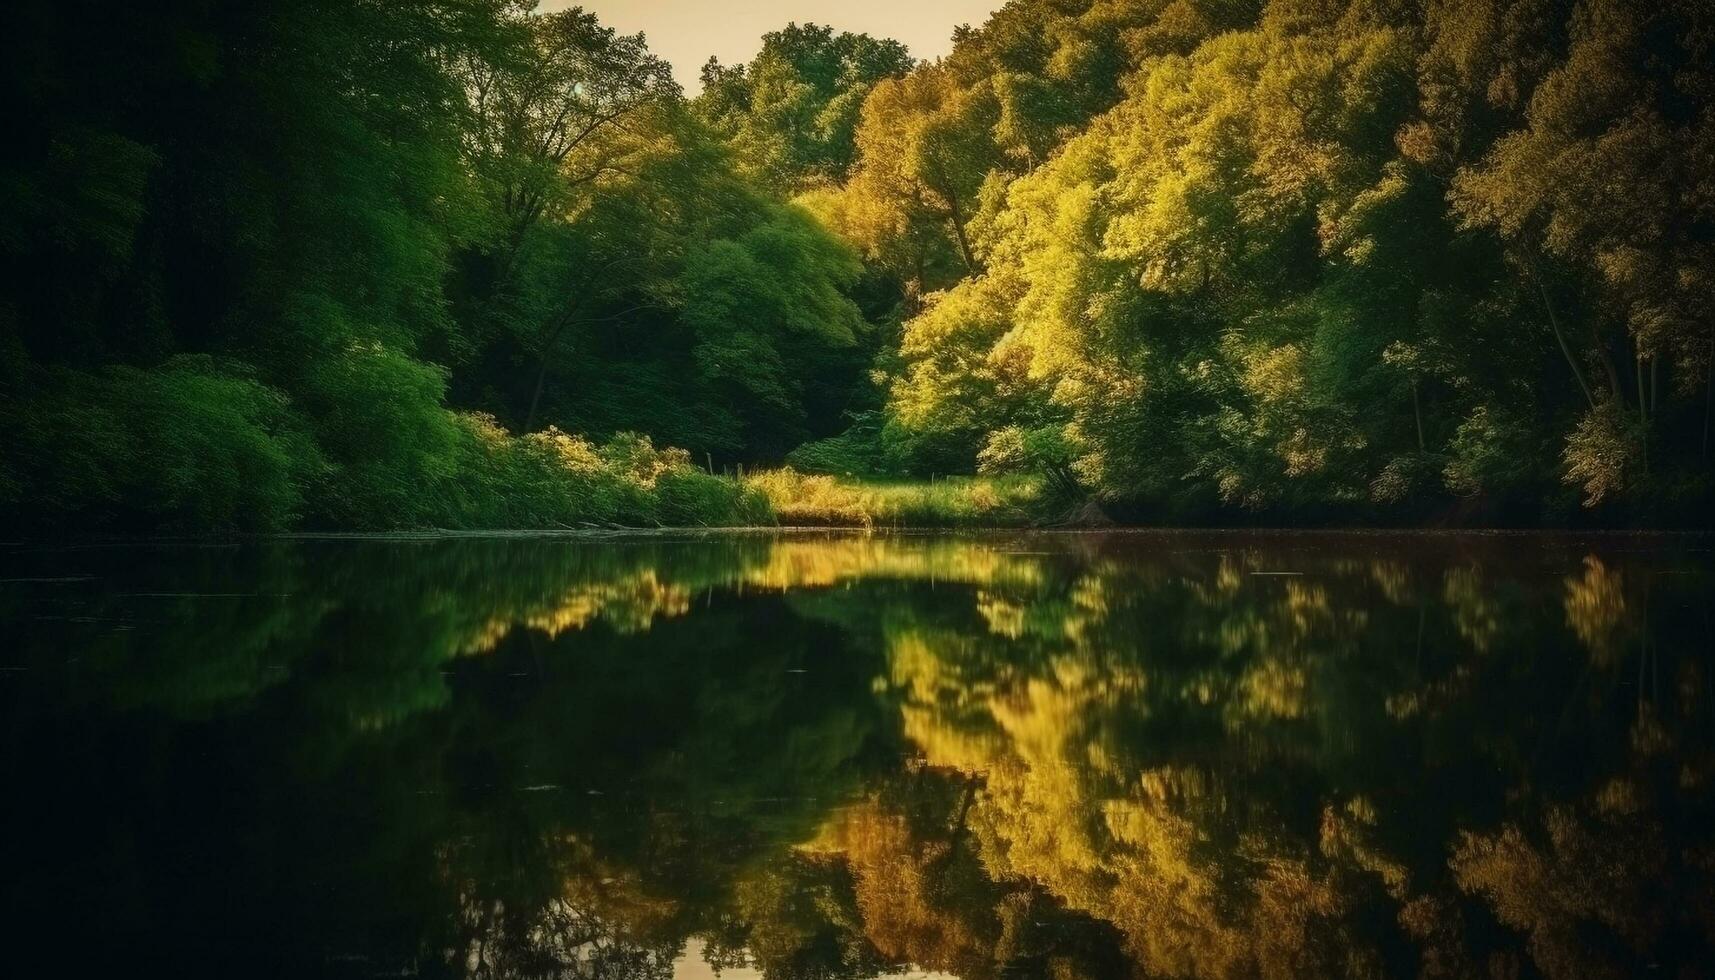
x=688, y=497
x=801, y=500
x=190, y=445
x=377, y=415
x=823, y=501
x=555, y=479
x=870, y=448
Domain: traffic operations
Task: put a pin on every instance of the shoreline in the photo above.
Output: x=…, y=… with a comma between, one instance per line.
x=812, y=531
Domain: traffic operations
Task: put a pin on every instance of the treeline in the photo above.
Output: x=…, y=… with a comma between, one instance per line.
x=322, y=261
x=460, y=263
x=1303, y=259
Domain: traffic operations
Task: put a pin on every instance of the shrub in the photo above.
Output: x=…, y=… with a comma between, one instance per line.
x=555, y=479
x=1488, y=454
x=1602, y=452
x=377, y=415
x=801, y=500
x=824, y=501
x=688, y=497
x=192, y=444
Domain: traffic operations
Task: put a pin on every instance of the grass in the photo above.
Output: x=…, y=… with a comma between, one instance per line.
x=805, y=500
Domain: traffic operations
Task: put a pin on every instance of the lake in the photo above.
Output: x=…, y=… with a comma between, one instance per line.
x=1068, y=755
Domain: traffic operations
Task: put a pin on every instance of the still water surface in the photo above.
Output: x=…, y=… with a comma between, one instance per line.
x=790, y=756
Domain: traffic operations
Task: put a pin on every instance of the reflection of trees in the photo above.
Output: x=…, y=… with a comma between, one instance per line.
x=572, y=802
x=199, y=630
x=1167, y=756
x=924, y=895
x=562, y=940
x=1196, y=755
x=1596, y=608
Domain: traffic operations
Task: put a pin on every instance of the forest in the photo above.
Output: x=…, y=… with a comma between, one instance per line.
x=378, y=264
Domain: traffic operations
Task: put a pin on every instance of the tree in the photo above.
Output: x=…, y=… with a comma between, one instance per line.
x=791, y=113
x=1622, y=100
x=545, y=110
x=926, y=147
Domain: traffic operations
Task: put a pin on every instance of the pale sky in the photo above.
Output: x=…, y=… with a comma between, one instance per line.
x=686, y=32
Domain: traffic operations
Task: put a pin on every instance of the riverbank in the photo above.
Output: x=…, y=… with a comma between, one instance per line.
x=806, y=500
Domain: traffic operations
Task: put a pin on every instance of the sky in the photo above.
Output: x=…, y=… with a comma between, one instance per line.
x=686, y=32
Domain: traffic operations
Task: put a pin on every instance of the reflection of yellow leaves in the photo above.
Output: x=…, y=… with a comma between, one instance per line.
x=1347, y=836
x=1271, y=689
x=900, y=882
x=1289, y=903
x=633, y=599
x=1475, y=612
x=1228, y=577
x=1649, y=736
x=1043, y=676
x=1308, y=605
x=1394, y=580
x=1437, y=925
x=821, y=562
x=1004, y=617
x=1403, y=706
x=1596, y=607
x=1618, y=798
x=631, y=605
x=1577, y=875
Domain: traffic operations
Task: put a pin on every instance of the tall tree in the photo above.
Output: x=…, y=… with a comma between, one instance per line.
x=791, y=113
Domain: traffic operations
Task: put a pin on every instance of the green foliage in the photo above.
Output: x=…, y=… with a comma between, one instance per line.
x=1198, y=259
x=671, y=295
x=763, y=309
x=551, y=479
x=379, y=216
x=1601, y=453
x=803, y=500
x=791, y=113
x=377, y=414
x=1488, y=454
x=188, y=446
x=876, y=445
x=1016, y=450
x=1326, y=261
x=854, y=452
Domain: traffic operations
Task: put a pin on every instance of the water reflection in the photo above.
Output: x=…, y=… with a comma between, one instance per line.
x=840, y=756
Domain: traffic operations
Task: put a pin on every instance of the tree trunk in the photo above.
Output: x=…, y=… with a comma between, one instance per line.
x=1643, y=407
x=1708, y=395
x=958, y=827
x=1611, y=370
x=542, y=371
x=536, y=396
x=914, y=290
x=940, y=862
x=1654, y=384
x=1638, y=370
x=958, y=219
x=1559, y=335
x=1417, y=414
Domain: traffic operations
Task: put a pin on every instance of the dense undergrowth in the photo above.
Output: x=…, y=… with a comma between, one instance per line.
x=809, y=500
x=194, y=448
x=198, y=446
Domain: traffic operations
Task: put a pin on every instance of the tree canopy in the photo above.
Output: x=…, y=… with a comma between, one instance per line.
x=1211, y=260
x=1308, y=258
